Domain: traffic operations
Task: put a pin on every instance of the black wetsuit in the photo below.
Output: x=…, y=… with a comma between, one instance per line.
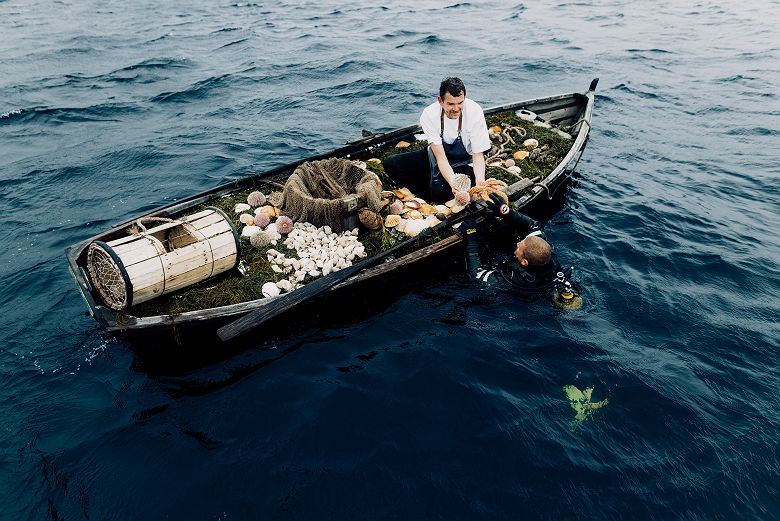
x=530, y=280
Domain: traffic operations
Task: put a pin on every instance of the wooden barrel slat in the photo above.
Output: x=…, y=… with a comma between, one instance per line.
x=199, y=215
x=215, y=229
x=138, y=251
x=206, y=220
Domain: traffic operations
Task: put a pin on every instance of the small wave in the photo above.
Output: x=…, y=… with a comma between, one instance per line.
x=230, y=44
x=755, y=131
x=461, y=4
x=10, y=113
x=199, y=90
x=61, y=115
x=653, y=50
x=156, y=63
x=642, y=94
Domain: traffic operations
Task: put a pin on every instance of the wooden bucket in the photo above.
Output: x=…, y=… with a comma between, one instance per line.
x=163, y=259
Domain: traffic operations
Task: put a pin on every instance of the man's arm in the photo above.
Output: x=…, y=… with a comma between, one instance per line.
x=478, y=161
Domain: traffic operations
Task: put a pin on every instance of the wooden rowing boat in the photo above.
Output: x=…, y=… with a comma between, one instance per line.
x=568, y=111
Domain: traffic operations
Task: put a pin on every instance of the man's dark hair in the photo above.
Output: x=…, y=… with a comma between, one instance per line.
x=452, y=85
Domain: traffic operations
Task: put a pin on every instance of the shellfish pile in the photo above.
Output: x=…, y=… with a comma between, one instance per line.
x=410, y=214
x=510, y=146
x=313, y=252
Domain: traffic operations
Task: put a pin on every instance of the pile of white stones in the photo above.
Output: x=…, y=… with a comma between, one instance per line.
x=320, y=252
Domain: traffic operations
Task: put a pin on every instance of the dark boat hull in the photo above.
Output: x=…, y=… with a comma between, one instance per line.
x=199, y=327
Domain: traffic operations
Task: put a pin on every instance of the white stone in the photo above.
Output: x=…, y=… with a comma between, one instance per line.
x=270, y=290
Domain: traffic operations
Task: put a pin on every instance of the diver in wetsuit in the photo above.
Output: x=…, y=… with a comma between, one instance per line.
x=536, y=269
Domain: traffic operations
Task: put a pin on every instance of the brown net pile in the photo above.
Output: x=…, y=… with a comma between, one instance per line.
x=315, y=192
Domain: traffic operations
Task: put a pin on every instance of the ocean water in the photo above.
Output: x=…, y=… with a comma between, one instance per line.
x=445, y=402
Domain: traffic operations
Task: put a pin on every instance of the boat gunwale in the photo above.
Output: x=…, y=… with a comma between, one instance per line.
x=118, y=322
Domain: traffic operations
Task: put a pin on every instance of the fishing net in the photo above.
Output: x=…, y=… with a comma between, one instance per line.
x=107, y=277
x=317, y=192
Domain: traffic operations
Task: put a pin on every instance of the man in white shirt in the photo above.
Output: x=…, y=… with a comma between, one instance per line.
x=458, y=138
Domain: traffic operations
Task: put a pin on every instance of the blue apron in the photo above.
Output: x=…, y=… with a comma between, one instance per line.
x=456, y=155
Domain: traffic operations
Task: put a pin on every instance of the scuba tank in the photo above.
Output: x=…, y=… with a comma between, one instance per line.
x=564, y=295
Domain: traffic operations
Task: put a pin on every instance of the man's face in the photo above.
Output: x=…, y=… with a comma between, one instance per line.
x=520, y=253
x=452, y=105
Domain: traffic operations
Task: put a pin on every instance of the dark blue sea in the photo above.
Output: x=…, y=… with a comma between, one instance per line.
x=444, y=402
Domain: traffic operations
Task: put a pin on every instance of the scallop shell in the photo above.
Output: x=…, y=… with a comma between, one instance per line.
x=509, y=163
x=391, y=221
x=457, y=208
x=399, y=193
x=531, y=143
x=515, y=169
x=402, y=225
x=450, y=203
x=370, y=219
x=495, y=129
x=269, y=210
x=396, y=207
x=413, y=228
x=520, y=155
x=374, y=160
x=461, y=182
x=403, y=144
x=247, y=219
x=463, y=198
x=442, y=208
x=427, y=209
x=387, y=194
x=441, y=216
x=413, y=203
x=241, y=207
x=414, y=214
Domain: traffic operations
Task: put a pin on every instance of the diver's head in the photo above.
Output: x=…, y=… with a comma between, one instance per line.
x=533, y=251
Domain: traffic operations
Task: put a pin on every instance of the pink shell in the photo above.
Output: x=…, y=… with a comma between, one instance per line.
x=284, y=224
x=262, y=219
x=509, y=163
x=256, y=199
x=396, y=208
x=462, y=198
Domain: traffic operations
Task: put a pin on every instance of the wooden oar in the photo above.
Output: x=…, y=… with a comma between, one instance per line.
x=282, y=303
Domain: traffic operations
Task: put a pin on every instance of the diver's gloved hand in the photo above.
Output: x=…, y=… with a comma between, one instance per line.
x=501, y=209
x=498, y=206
